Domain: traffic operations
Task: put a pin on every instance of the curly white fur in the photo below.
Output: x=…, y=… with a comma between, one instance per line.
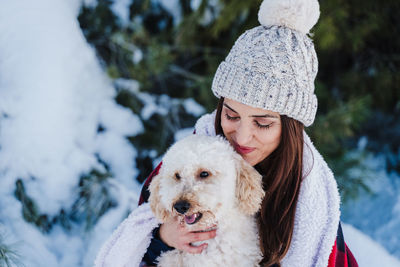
x=316, y=220
x=229, y=198
x=299, y=15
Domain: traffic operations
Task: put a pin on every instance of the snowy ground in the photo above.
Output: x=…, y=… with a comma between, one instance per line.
x=378, y=214
x=53, y=97
x=367, y=252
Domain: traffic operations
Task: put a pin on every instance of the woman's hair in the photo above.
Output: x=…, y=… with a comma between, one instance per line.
x=282, y=175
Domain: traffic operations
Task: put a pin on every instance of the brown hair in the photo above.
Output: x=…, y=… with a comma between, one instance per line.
x=282, y=175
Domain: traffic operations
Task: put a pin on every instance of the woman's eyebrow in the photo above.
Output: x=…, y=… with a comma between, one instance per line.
x=255, y=116
x=230, y=108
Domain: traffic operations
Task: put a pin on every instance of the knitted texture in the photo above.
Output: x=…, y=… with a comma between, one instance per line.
x=273, y=66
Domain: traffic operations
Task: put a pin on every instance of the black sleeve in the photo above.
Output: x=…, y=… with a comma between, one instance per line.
x=157, y=246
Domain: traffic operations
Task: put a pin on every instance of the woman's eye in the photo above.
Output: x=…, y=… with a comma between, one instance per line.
x=204, y=174
x=230, y=117
x=263, y=126
x=177, y=176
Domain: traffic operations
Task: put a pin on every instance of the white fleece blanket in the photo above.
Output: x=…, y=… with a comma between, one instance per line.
x=128, y=244
x=316, y=220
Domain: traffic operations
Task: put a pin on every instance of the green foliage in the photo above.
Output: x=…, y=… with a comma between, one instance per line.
x=103, y=23
x=236, y=15
x=332, y=133
x=357, y=85
x=8, y=256
x=30, y=210
x=357, y=44
x=94, y=199
x=169, y=116
x=358, y=81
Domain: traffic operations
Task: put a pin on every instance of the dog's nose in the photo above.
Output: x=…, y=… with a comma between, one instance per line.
x=182, y=206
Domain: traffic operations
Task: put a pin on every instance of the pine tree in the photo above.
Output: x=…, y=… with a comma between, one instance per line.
x=357, y=84
x=8, y=256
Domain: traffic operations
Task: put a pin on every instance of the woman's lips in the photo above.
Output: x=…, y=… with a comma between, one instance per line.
x=243, y=149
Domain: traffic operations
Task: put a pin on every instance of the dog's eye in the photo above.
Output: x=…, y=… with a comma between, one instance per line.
x=204, y=174
x=177, y=176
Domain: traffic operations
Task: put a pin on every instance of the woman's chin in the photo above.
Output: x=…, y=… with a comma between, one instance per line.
x=251, y=160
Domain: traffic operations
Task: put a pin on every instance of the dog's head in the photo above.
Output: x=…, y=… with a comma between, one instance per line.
x=200, y=178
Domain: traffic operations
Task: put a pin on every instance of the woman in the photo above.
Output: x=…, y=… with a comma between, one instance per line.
x=266, y=92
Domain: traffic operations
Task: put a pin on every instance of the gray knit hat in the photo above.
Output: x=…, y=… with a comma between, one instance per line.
x=273, y=66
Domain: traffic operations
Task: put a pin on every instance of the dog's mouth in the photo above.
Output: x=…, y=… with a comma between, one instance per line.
x=193, y=218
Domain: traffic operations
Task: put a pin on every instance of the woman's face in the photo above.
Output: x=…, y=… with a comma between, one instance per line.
x=254, y=132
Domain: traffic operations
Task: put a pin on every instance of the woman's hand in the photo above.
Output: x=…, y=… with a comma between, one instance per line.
x=176, y=235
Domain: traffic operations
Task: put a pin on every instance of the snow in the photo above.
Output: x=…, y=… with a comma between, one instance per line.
x=195, y=4
x=212, y=11
x=90, y=3
x=137, y=56
x=172, y=6
x=182, y=133
x=38, y=107
x=161, y=104
x=53, y=98
x=130, y=85
x=192, y=107
x=377, y=214
x=366, y=251
x=151, y=106
x=121, y=9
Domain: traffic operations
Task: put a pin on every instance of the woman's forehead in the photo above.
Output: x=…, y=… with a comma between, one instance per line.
x=244, y=109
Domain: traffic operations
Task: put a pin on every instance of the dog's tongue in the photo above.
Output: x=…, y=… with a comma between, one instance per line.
x=189, y=219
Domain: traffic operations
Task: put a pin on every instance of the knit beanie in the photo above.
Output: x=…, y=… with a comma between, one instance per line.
x=273, y=66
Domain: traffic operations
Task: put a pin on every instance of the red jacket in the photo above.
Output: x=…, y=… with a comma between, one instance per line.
x=341, y=255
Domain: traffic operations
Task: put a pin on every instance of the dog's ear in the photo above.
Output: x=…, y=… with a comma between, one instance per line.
x=249, y=191
x=155, y=201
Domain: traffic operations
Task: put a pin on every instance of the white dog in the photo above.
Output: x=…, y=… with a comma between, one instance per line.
x=204, y=181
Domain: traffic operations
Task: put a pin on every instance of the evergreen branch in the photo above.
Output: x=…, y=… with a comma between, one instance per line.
x=8, y=256
x=185, y=73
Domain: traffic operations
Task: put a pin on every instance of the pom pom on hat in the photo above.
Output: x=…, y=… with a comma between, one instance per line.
x=299, y=15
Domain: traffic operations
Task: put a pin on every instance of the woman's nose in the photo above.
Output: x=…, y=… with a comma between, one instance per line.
x=243, y=134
